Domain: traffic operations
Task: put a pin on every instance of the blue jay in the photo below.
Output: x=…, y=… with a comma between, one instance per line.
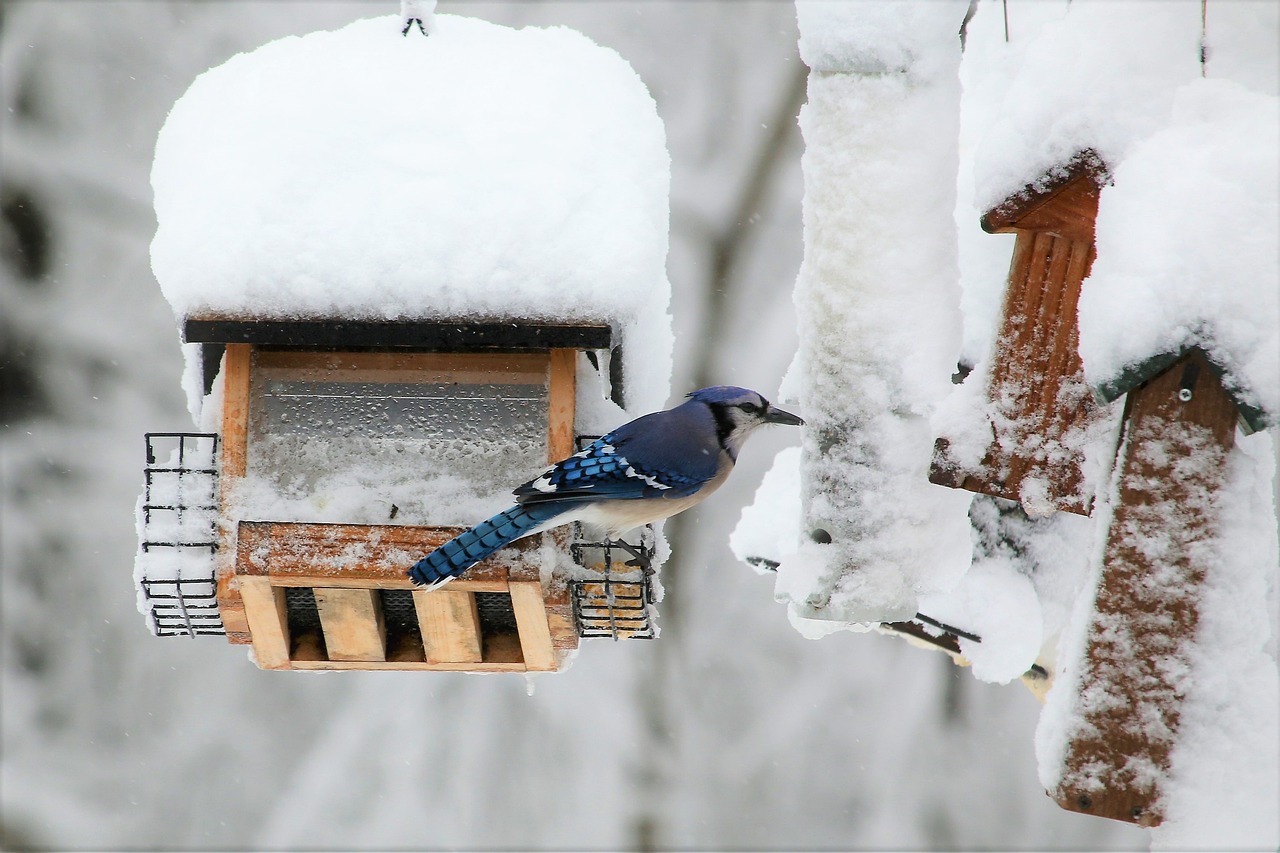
x=643, y=471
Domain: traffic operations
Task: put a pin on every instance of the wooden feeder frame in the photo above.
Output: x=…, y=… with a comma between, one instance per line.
x=347, y=566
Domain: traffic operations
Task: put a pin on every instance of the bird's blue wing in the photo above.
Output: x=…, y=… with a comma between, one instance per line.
x=633, y=462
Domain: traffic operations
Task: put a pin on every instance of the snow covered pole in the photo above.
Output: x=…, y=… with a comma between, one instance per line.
x=877, y=302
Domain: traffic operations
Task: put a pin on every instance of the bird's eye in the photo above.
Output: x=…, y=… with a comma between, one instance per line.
x=749, y=408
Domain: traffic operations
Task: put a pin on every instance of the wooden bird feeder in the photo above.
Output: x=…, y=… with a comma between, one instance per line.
x=311, y=596
x=1180, y=425
x=1036, y=393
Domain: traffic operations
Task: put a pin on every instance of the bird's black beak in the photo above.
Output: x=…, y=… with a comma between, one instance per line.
x=778, y=416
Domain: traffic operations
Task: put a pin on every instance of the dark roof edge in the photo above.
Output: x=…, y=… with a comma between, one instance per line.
x=452, y=335
x=1087, y=162
x=1252, y=418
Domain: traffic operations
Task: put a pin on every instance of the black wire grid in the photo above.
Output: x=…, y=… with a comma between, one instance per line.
x=181, y=607
x=613, y=607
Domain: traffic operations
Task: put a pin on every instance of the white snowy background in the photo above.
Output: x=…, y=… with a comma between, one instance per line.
x=733, y=731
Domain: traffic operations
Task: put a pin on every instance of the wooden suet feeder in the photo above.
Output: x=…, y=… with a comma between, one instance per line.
x=330, y=595
x=1179, y=429
x=1037, y=396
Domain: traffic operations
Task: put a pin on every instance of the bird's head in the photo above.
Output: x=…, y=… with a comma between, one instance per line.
x=738, y=411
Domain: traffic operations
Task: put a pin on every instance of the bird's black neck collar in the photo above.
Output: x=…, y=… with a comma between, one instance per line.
x=724, y=428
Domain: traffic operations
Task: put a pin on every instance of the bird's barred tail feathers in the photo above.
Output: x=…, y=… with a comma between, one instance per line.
x=466, y=549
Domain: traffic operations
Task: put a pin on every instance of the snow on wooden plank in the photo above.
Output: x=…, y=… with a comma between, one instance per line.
x=1180, y=429
x=360, y=555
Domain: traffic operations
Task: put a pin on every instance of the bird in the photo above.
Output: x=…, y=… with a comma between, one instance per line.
x=644, y=471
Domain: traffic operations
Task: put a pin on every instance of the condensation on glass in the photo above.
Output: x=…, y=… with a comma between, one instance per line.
x=392, y=424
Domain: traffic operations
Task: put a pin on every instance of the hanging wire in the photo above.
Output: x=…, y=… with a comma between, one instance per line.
x=964, y=25
x=1204, y=47
x=1005, y=3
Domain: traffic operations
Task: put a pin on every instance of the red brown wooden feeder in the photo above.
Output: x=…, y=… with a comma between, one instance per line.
x=1179, y=429
x=1037, y=397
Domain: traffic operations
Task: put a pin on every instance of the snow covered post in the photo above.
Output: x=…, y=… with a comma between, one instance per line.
x=877, y=303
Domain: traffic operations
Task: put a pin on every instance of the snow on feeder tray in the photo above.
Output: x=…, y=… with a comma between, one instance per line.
x=366, y=399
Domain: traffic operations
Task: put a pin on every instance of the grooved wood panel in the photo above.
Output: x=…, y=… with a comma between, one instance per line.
x=1180, y=429
x=1039, y=402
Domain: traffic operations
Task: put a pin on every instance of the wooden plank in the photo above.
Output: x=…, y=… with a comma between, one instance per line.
x=362, y=555
x=353, y=623
x=264, y=607
x=465, y=368
x=233, y=449
x=560, y=620
x=1069, y=213
x=450, y=624
x=483, y=666
x=1180, y=430
x=1036, y=392
x=235, y=412
x=560, y=416
x=230, y=605
x=531, y=619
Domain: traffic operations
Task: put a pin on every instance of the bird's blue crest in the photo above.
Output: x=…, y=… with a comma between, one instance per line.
x=721, y=394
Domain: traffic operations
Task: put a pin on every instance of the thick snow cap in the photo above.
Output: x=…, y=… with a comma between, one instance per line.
x=479, y=172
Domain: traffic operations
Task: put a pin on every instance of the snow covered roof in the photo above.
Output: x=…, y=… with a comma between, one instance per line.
x=1188, y=229
x=479, y=172
x=1189, y=251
